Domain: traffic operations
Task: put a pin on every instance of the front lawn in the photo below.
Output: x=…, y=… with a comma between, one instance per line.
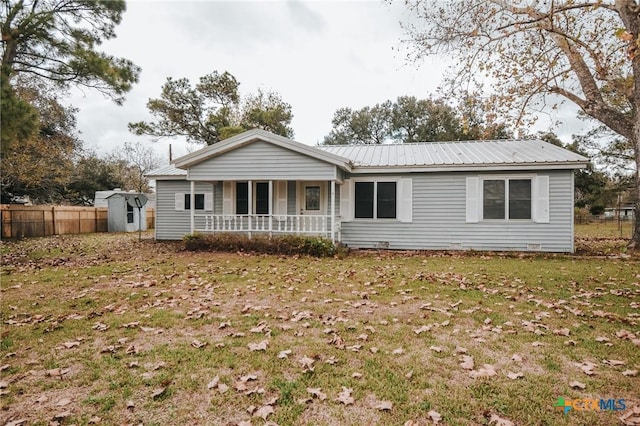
x=103, y=329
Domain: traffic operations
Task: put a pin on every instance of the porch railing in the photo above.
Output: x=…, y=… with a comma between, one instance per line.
x=286, y=224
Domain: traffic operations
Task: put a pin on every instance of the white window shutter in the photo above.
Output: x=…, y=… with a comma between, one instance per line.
x=473, y=199
x=179, y=201
x=405, y=200
x=346, y=201
x=281, y=197
x=541, y=199
x=208, y=201
x=227, y=197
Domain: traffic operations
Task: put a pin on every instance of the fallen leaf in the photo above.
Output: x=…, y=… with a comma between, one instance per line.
x=613, y=362
x=384, y=405
x=198, y=344
x=222, y=388
x=398, y=351
x=213, y=383
x=562, y=332
x=631, y=416
x=307, y=364
x=317, y=392
x=467, y=362
x=72, y=344
x=345, y=396
x=158, y=392
x=437, y=349
x=130, y=405
x=260, y=346
x=499, y=421
x=516, y=358
x=94, y=420
x=434, y=416
x=264, y=411
x=515, y=376
x=63, y=402
x=18, y=422
x=284, y=354
x=630, y=373
x=356, y=375
x=487, y=370
x=577, y=385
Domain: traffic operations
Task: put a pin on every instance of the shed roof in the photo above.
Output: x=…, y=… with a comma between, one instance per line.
x=168, y=172
x=458, y=153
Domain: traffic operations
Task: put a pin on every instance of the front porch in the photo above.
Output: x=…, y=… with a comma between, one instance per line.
x=313, y=225
x=273, y=207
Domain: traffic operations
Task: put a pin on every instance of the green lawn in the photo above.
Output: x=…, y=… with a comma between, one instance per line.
x=104, y=329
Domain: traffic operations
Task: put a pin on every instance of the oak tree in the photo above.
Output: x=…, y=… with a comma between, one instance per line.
x=532, y=54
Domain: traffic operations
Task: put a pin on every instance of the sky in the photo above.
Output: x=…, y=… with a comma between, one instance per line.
x=318, y=55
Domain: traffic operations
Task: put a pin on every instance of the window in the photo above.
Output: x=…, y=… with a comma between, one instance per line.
x=199, y=201
x=242, y=197
x=312, y=198
x=262, y=198
x=129, y=213
x=506, y=198
x=375, y=200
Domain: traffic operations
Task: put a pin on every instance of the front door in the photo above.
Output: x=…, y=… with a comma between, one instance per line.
x=312, y=198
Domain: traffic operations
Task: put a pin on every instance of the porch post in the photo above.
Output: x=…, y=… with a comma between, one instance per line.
x=333, y=211
x=192, y=206
x=250, y=206
x=270, y=207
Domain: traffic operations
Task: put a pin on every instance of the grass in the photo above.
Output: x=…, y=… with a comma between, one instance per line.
x=359, y=319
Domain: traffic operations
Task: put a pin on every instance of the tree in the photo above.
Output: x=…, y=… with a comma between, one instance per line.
x=212, y=111
x=131, y=163
x=55, y=41
x=41, y=166
x=410, y=119
x=90, y=174
x=369, y=125
x=586, y=52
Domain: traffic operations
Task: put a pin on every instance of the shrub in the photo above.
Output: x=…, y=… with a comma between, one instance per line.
x=285, y=244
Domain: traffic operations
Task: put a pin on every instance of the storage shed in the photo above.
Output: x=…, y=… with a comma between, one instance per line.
x=127, y=212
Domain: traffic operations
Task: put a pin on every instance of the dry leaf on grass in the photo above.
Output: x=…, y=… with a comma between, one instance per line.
x=631, y=416
x=18, y=422
x=264, y=411
x=516, y=358
x=437, y=349
x=467, y=362
x=317, y=392
x=487, y=370
x=562, y=332
x=130, y=405
x=157, y=393
x=398, y=351
x=260, y=346
x=213, y=383
x=577, y=385
x=630, y=373
x=499, y=421
x=307, y=364
x=71, y=344
x=383, y=405
x=198, y=344
x=434, y=416
x=284, y=354
x=515, y=376
x=345, y=396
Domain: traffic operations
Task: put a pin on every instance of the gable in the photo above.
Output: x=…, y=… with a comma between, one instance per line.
x=261, y=160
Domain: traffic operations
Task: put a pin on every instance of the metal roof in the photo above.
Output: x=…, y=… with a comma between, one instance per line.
x=464, y=153
x=168, y=170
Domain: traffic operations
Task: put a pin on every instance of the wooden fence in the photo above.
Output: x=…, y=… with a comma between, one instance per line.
x=38, y=221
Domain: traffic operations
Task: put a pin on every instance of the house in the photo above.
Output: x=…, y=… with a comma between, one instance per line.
x=480, y=195
x=100, y=198
x=623, y=212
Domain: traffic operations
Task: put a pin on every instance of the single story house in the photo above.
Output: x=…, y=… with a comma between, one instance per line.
x=479, y=195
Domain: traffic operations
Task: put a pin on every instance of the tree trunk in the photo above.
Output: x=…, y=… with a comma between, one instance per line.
x=634, y=244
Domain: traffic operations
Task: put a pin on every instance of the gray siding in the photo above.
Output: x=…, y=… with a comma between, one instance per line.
x=439, y=220
x=262, y=161
x=172, y=224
